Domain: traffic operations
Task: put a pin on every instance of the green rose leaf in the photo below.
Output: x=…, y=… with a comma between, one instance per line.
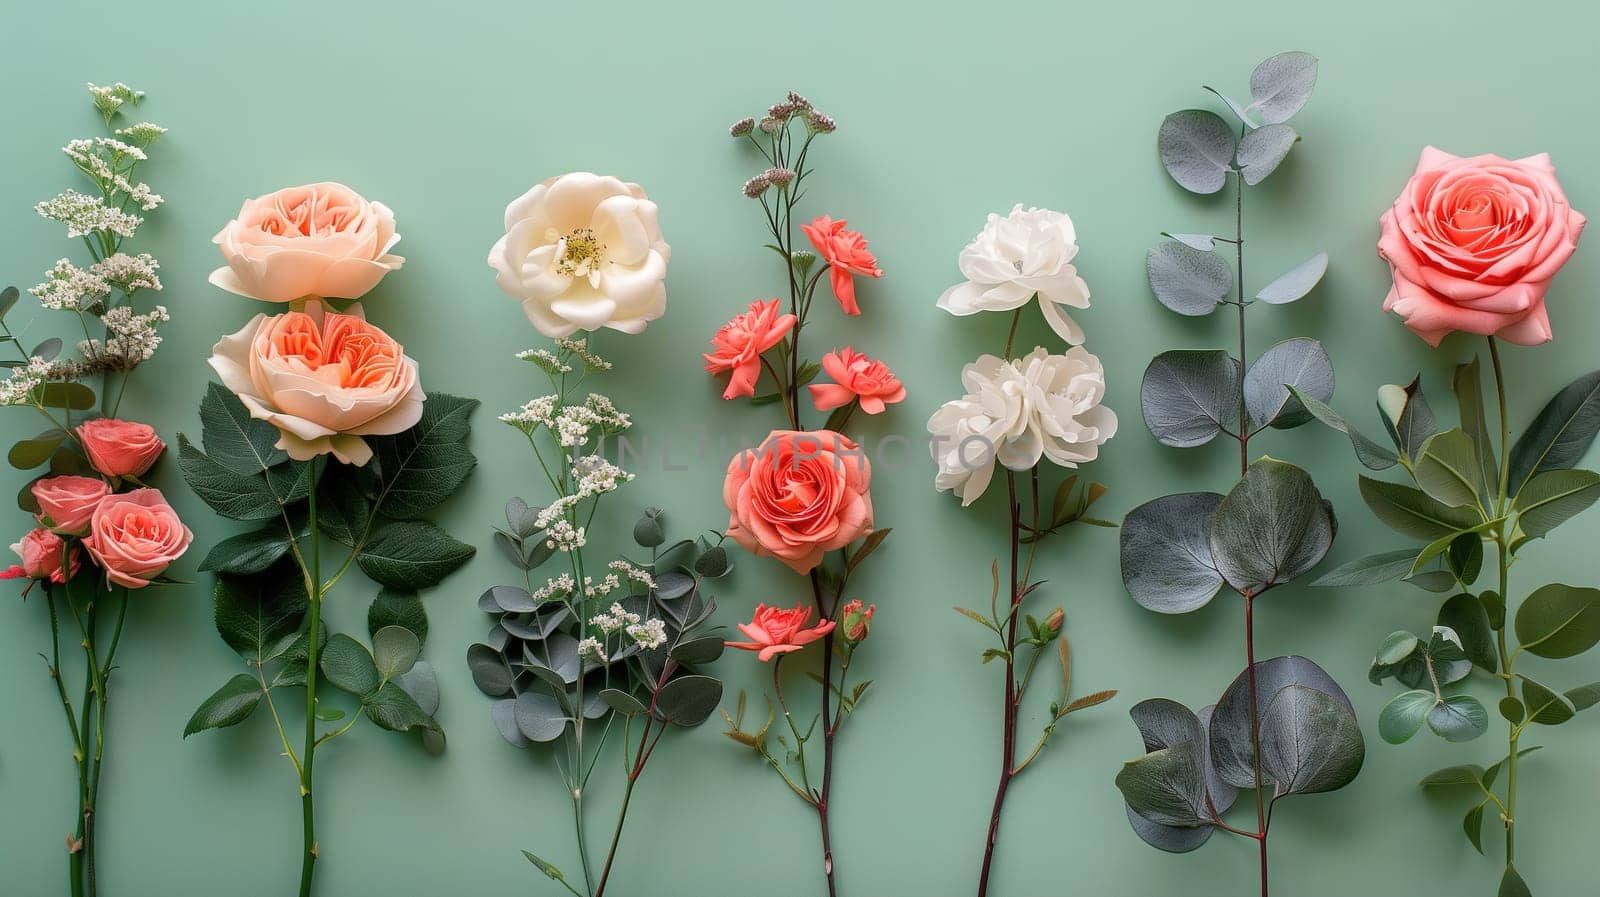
x=426, y=464
x=233, y=438
x=396, y=607
x=411, y=554
x=228, y=706
x=1560, y=434
x=229, y=493
x=347, y=665
x=254, y=613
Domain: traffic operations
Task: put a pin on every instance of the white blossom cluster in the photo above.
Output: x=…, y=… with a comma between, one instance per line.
x=130, y=338
x=596, y=476
x=618, y=617
x=647, y=634
x=634, y=573
x=604, y=587
x=84, y=215
x=563, y=536
x=546, y=360
x=533, y=414
x=70, y=288
x=580, y=348
x=555, y=587
x=22, y=386
x=109, y=100
x=591, y=649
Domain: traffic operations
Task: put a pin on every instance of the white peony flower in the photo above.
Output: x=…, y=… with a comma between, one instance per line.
x=583, y=251
x=1016, y=412
x=1027, y=252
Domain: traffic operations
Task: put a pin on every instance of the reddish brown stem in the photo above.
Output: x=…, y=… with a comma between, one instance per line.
x=1008, y=748
x=828, y=733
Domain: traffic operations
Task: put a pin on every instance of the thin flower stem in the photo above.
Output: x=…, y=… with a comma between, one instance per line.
x=1508, y=810
x=79, y=754
x=1008, y=749
x=313, y=648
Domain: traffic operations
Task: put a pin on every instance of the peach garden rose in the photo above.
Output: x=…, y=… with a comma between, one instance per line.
x=135, y=536
x=324, y=379
x=67, y=503
x=798, y=496
x=120, y=448
x=1473, y=243
x=320, y=240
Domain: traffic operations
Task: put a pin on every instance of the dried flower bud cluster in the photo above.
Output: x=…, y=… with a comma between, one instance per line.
x=775, y=124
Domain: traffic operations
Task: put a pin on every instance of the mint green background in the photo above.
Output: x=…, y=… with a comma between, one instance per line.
x=447, y=111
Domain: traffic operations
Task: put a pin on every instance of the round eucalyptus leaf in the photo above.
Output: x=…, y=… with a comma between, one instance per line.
x=1166, y=557
x=422, y=684
x=1300, y=363
x=1404, y=715
x=622, y=702
x=1544, y=705
x=1171, y=838
x=1397, y=647
x=1272, y=527
x=504, y=714
x=510, y=599
x=395, y=650
x=1297, y=281
x=521, y=518
x=1459, y=718
x=713, y=563
x=673, y=585
x=1189, y=396
x=1281, y=85
x=1311, y=743
x=1187, y=280
x=1263, y=150
x=648, y=531
x=1196, y=148
x=1559, y=620
x=700, y=650
x=539, y=716
x=1202, y=242
x=688, y=700
x=1231, y=743
x=489, y=670
x=1512, y=710
x=1167, y=785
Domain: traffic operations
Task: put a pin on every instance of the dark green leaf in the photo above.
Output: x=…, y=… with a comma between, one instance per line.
x=426, y=464
x=1512, y=885
x=1403, y=715
x=1468, y=385
x=393, y=709
x=398, y=607
x=1559, y=620
x=1465, y=774
x=1448, y=469
x=688, y=700
x=230, y=494
x=343, y=510
x=1407, y=415
x=712, y=563
x=1584, y=696
x=1371, y=455
x=1187, y=396
x=254, y=613
x=701, y=650
x=234, y=439
x=1272, y=527
x=1465, y=615
x=411, y=554
x=1411, y=512
x=347, y=664
x=228, y=706
x=252, y=552
x=1545, y=705
x=1552, y=497
x=30, y=453
x=1473, y=826
x=622, y=702
x=1166, y=556
x=489, y=670
x=75, y=396
x=1459, y=718
x=1370, y=570
x=1310, y=740
x=1560, y=434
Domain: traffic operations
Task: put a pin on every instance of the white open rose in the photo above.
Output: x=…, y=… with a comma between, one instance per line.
x=1028, y=252
x=584, y=251
x=1017, y=412
x=322, y=378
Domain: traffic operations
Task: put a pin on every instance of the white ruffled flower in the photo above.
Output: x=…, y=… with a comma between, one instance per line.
x=1028, y=252
x=583, y=251
x=1017, y=412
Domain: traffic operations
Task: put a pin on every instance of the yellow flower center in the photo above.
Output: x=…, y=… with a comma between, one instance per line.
x=581, y=253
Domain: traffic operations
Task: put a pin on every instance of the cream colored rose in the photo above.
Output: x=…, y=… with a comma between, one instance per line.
x=1025, y=254
x=583, y=251
x=320, y=240
x=323, y=379
x=1040, y=406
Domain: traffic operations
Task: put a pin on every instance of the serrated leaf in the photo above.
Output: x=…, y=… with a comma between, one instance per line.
x=227, y=706
x=411, y=554
x=426, y=464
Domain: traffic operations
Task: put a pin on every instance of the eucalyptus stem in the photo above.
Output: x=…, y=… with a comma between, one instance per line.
x=313, y=634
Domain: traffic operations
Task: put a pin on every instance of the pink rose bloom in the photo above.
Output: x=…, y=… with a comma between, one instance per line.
x=40, y=551
x=778, y=630
x=135, y=536
x=846, y=253
x=739, y=343
x=798, y=496
x=320, y=240
x=855, y=376
x=68, y=503
x=323, y=379
x=1473, y=243
x=120, y=448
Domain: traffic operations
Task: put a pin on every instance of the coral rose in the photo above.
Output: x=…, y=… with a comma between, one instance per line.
x=41, y=554
x=66, y=504
x=779, y=630
x=135, y=536
x=583, y=252
x=740, y=342
x=846, y=253
x=320, y=240
x=798, y=496
x=855, y=376
x=120, y=448
x=1473, y=243
x=323, y=379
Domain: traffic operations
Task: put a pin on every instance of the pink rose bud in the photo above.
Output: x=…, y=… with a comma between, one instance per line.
x=66, y=504
x=40, y=551
x=135, y=536
x=1054, y=622
x=857, y=621
x=120, y=448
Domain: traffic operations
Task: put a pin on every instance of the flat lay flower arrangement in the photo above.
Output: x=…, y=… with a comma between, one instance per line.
x=602, y=640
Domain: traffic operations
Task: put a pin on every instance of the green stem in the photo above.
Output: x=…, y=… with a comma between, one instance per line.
x=102, y=694
x=308, y=753
x=79, y=754
x=1503, y=556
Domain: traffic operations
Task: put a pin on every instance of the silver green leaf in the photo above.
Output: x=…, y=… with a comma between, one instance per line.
x=1165, y=553
x=1272, y=527
x=1296, y=282
x=1187, y=280
x=1300, y=364
x=1261, y=151
x=1196, y=148
x=1281, y=85
x=1188, y=396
